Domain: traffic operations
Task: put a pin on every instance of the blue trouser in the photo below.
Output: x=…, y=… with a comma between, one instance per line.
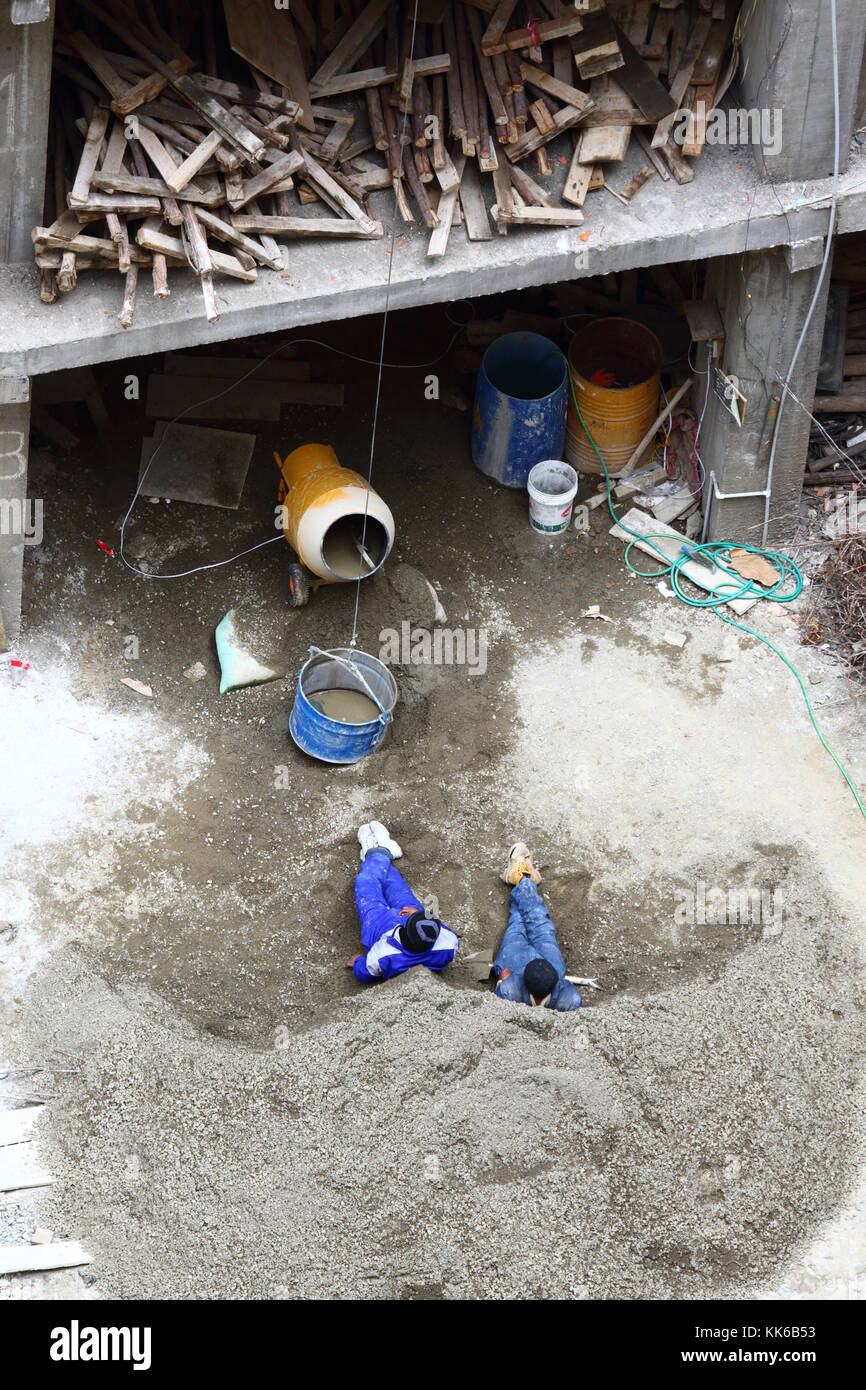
x=380, y=892
x=530, y=932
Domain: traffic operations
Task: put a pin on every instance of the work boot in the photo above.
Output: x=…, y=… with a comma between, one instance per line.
x=367, y=840
x=383, y=840
x=520, y=865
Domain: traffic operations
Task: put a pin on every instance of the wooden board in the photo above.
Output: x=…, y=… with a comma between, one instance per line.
x=168, y=396
x=474, y=207
x=187, y=364
x=17, y=1125
x=637, y=80
x=265, y=37
x=604, y=144
x=596, y=49
x=670, y=542
x=58, y=1254
x=704, y=320
x=20, y=1167
x=194, y=463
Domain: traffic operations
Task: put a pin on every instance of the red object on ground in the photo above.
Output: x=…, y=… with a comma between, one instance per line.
x=107, y=548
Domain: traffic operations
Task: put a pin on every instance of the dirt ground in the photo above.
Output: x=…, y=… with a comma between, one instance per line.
x=229, y=1113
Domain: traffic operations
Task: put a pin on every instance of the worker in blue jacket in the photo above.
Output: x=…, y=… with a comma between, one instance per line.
x=529, y=966
x=396, y=932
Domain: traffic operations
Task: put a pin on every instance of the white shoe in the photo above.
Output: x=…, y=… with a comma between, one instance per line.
x=383, y=839
x=367, y=840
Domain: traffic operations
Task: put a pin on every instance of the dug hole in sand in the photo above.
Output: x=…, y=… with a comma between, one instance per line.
x=232, y=1116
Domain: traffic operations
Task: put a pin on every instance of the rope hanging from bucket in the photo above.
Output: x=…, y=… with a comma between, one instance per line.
x=403, y=125
x=384, y=716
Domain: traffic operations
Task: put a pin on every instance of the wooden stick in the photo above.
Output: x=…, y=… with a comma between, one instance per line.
x=467, y=84
x=456, y=114
x=127, y=310
x=160, y=276
x=375, y=118
x=193, y=162
x=89, y=157
x=655, y=426
x=234, y=237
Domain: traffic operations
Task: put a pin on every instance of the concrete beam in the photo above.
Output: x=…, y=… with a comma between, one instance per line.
x=763, y=309
x=25, y=82
x=14, y=448
x=787, y=68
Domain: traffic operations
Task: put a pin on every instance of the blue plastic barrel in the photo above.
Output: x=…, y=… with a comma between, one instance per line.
x=521, y=398
x=331, y=740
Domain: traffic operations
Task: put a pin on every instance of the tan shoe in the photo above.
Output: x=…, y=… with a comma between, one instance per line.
x=520, y=865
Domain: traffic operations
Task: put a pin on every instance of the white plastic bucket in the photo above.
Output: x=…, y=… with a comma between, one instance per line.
x=552, y=488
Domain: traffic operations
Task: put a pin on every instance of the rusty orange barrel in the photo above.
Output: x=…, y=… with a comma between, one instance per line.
x=619, y=415
x=324, y=515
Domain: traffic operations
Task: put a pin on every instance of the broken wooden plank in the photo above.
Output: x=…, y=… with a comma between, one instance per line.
x=562, y=91
x=605, y=144
x=540, y=33
x=306, y=226
x=542, y=217
x=280, y=168
x=16, y=1126
x=89, y=156
x=636, y=183
x=153, y=240
x=683, y=77
x=57, y=1254
x=438, y=242
x=564, y=119
x=20, y=1167
x=368, y=25
x=231, y=234
x=474, y=207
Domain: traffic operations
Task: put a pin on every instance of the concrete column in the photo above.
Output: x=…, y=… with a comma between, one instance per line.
x=763, y=306
x=26, y=38
x=786, y=66
x=14, y=519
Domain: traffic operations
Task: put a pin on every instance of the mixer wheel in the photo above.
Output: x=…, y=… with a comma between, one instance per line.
x=298, y=586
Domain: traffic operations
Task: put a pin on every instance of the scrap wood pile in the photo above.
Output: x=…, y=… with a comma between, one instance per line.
x=837, y=611
x=196, y=136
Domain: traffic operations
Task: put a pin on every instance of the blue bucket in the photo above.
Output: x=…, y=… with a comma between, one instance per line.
x=521, y=400
x=332, y=740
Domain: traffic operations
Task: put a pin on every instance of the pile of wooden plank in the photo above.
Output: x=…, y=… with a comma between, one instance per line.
x=198, y=138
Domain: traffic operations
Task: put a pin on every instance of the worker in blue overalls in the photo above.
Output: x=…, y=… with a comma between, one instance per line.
x=396, y=932
x=529, y=965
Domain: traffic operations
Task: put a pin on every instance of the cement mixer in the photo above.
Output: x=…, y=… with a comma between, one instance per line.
x=324, y=508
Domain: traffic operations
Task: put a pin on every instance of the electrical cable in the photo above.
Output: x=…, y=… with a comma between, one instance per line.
x=403, y=126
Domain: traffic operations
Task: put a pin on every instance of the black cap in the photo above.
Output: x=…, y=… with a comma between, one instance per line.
x=539, y=977
x=419, y=932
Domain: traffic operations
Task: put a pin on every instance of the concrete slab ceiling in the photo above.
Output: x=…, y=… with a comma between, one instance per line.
x=725, y=211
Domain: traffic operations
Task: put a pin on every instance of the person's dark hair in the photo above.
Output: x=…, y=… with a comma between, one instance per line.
x=539, y=977
x=419, y=932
